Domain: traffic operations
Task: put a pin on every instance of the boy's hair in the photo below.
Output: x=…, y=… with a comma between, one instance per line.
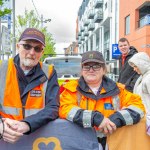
x=123, y=40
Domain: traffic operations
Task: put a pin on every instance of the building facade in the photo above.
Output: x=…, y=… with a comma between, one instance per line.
x=97, y=27
x=134, y=22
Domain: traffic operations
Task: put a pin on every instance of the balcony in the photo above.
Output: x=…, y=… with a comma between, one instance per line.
x=98, y=17
x=79, y=33
x=98, y=3
x=79, y=42
x=86, y=23
x=91, y=14
x=144, y=21
x=82, y=29
x=91, y=27
x=86, y=33
x=82, y=38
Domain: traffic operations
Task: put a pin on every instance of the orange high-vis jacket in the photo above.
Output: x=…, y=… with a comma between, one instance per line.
x=11, y=101
x=122, y=104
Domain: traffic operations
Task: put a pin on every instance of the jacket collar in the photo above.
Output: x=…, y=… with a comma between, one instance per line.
x=108, y=88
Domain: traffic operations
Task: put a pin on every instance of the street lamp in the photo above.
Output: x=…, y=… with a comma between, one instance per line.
x=44, y=21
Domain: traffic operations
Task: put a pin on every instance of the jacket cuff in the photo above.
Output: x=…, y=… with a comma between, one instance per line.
x=117, y=119
x=28, y=132
x=97, y=118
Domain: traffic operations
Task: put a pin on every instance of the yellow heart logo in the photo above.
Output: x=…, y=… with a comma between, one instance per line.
x=46, y=141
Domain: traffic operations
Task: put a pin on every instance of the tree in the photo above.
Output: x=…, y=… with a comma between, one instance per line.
x=5, y=11
x=30, y=19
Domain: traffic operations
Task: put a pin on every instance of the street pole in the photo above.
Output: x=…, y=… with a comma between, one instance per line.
x=14, y=37
x=41, y=21
x=0, y=39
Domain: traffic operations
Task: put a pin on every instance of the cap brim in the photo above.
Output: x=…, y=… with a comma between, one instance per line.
x=31, y=38
x=93, y=60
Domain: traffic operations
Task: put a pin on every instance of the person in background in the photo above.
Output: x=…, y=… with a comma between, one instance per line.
x=97, y=101
x=141, y=64
x=29, y=89
x=127, y=75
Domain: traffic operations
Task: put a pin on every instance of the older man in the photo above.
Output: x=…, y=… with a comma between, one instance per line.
x=29, y=92
x=97, y=101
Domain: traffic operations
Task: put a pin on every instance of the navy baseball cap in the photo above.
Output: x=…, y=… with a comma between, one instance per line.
x=33, y=34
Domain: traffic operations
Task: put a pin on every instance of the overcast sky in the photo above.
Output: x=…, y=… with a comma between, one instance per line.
x=63, y=15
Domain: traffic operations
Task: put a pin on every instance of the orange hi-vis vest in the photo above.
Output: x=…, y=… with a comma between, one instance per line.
x=10, y=100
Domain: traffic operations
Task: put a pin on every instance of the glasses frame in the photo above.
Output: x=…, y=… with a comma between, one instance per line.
x=30, y=47
x=92, y=66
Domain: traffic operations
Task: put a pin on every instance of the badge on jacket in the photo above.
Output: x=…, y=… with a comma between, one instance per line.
x=108, y=106
x=35, y=93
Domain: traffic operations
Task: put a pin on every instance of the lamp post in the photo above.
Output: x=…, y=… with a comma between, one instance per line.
x=14, y=37
x=44, y=21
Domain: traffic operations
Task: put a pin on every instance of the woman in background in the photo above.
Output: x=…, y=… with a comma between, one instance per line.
x=141, y=64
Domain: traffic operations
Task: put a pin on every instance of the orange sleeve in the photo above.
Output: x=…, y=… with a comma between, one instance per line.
x=68, y=100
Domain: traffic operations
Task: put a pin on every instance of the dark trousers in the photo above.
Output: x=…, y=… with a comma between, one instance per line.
x=102, y=141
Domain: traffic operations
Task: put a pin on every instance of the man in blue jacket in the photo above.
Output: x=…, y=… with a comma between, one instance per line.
x=29, y=92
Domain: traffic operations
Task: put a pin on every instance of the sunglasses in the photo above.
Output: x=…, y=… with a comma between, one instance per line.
x=27, y=47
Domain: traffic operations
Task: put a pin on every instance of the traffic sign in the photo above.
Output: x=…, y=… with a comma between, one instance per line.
x=115, y=51
x=5, y=40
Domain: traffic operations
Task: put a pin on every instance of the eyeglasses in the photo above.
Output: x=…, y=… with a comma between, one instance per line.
x=27, y=47
x=94, y=67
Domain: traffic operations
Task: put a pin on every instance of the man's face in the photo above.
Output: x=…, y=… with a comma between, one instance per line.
x=30, y=52
x=124, y=47
x=92, y=73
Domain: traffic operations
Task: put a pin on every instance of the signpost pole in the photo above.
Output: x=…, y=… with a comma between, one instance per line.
x=0, y=39
x=14, y=37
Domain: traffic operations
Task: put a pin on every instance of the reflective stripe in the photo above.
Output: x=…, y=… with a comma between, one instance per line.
x=3, y=71
x=30, y=112
x=72, y=113
x=11, y=110
x=79, y=96
x=127, y=117
x=138, y=110
x=116, y=102
x=87, y=115
x=45, y=69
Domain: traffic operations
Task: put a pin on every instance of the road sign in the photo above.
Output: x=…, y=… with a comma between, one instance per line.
x=115, y=51
x=5, y=40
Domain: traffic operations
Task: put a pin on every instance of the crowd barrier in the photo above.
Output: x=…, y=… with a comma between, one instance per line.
x=56, y=135
x=130, y=138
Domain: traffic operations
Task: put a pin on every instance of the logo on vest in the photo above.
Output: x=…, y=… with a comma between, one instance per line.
x=35, y=93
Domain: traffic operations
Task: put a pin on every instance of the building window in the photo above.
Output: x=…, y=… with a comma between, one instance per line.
x=86, y=45
x=105, y=5
x=91, y=43
x=97, y=40
x=127, y=25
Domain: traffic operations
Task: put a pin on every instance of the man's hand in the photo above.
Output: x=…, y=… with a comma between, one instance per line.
x=107, y=126
x=11, y=134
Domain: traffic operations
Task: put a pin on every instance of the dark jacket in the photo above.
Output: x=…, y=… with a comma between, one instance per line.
x=127, y=75
x=31, y=80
